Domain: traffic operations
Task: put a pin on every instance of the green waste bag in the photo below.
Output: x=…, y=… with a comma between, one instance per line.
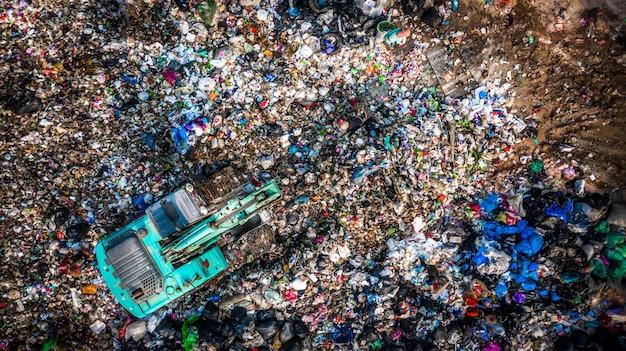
x=603, y=227
x=536, y=166
x=613, y=239
x=49, y=345
x=617, y=269
x=614, y=256
x=207, y=9
x=190, y=334
x=377, y=345
x=598, y=268
x=622, y=250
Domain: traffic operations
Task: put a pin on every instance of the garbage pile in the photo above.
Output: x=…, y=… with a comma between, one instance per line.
x=392, y=235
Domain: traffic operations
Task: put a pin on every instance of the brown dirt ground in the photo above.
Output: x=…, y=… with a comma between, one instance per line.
x=574, y=86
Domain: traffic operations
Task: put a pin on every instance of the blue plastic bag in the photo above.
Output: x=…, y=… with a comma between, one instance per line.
x=480, y=259
x=501, y=289
x=560, y=212
x=528, y=232
x=524, y=247
x=525, y=283
x=530, y=245
x=491, y=202
x=343, y=334
x=536, y=243
x=528, y=270
x=149, y=139
x=140, y=203
x=494, y=230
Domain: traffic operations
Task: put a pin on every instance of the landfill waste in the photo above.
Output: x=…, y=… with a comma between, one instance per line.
x=411, y=218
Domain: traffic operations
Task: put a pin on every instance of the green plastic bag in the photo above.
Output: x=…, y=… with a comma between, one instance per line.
x=614, y=239
x=617, y=269
x=622, y=250
x=377, y=345
x=603, y=227
x=598, y=268
x=49, y=345
x=207, y=9
x=614, y=255
x=536, y=166
x=190, y=335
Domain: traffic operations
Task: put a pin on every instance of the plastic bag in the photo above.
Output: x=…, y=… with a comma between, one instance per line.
x=432, y=18
x=536, y=166
x=617, y=216
x=494, y=230
x=268, y=329
x=530, y=246
x=525, y=283
x=211, y=313
x=190, y=334
x=343, y=334
x=136, y=330
x=207, y=9
x=228, y=331
x=492, y=261
x=371, y=7
x=560, y=212
x=614, y=239
x=238, y=313
x=491, y=202
x=300, y=329
x=263, y=315
x=501, y=289
x=286, y=332
x=617, y=269
x=292, y=345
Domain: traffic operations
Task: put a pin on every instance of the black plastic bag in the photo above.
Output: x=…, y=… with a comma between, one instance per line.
x=343, y=334
x=268, y=329
x=228, y=331
x=211, y=313
x=238, y=313
x=300, y=329
x=77, y=231
x=409, y=329
x=432, y=18
x=292, y=345
x=264, y=315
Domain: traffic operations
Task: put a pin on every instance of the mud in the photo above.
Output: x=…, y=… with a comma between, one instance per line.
x=571, y=80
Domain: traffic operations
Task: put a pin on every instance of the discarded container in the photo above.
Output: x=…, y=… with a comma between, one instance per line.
x=381, y=30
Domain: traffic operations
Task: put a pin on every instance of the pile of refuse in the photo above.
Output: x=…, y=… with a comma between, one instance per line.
x=392, y=234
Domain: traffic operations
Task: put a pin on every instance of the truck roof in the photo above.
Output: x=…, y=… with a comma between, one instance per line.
x=175, y=212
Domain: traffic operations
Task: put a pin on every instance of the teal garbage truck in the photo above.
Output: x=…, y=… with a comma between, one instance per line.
x=176, y=245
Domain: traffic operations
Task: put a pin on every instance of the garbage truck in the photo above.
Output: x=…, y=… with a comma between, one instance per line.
x=176, y=245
